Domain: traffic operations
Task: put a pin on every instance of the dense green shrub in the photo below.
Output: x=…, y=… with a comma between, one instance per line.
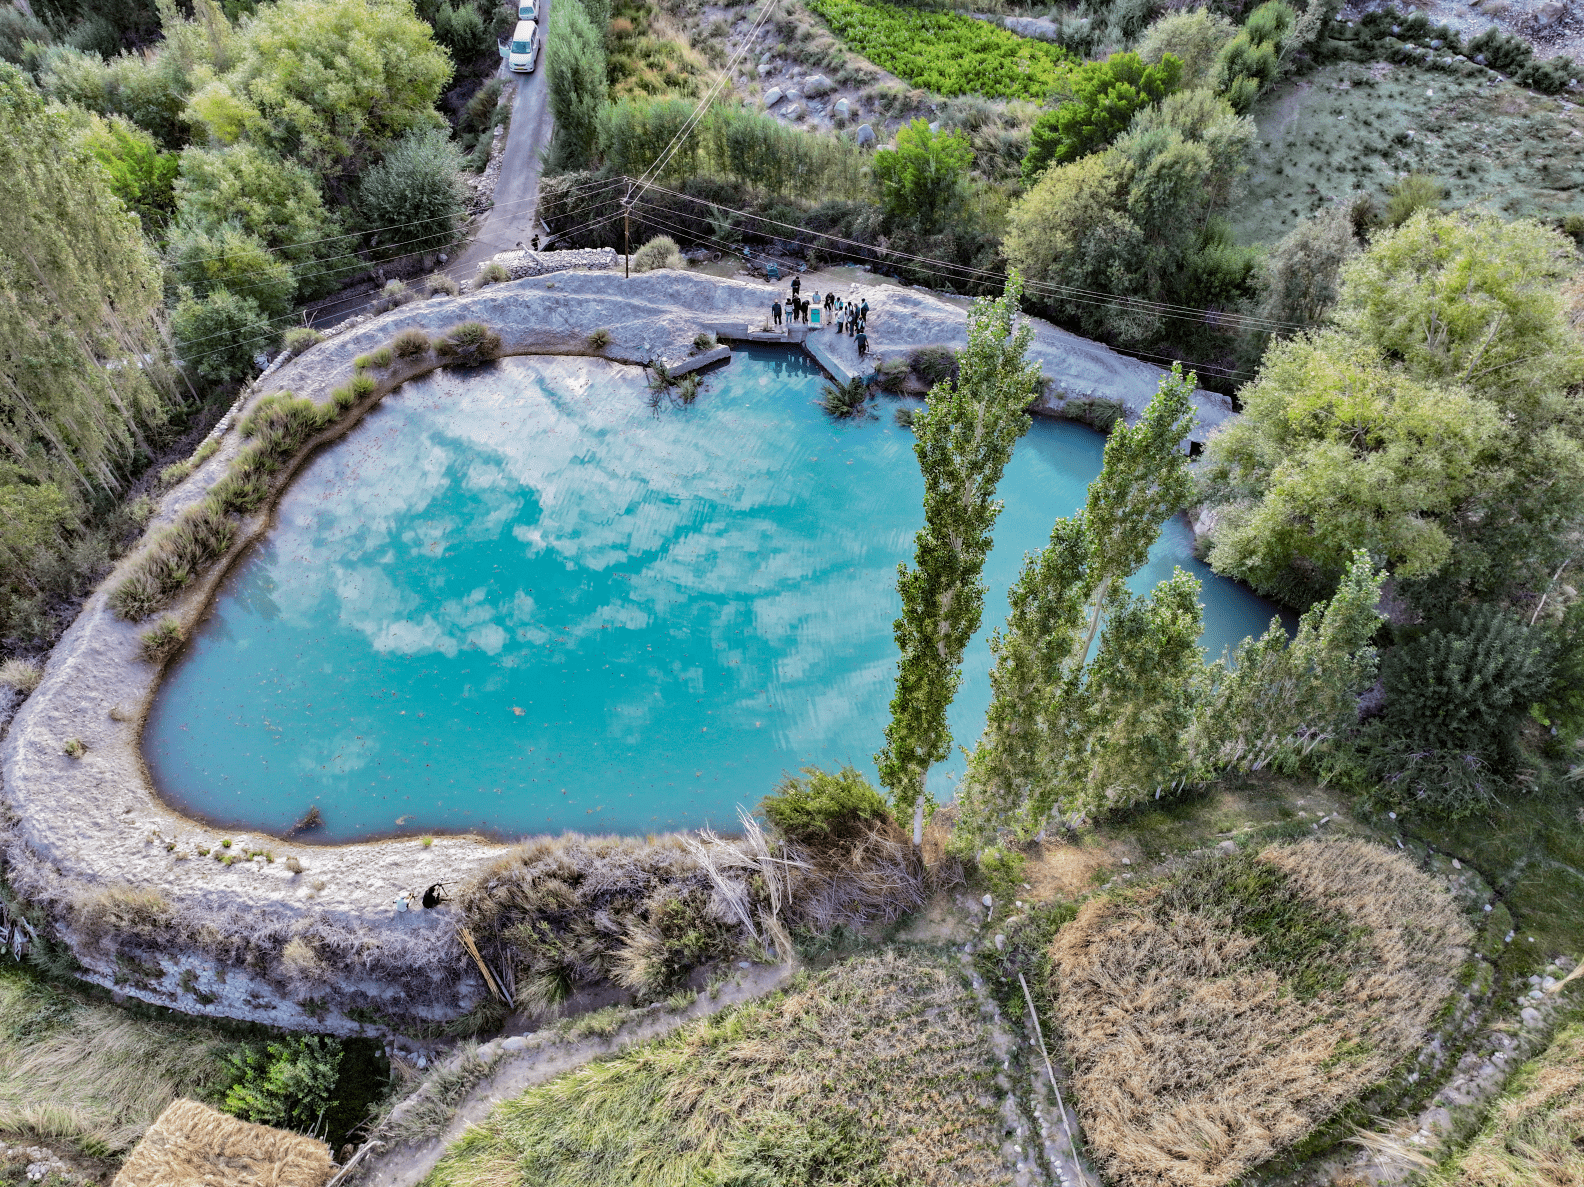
x=206, y=259
x=468, y=344
x=288, y=1084
x=1195, y=36
x=659, y=252
x=923, y=181
x=1504, y=52
x=1250, y=61
x=946, y=52
x=1302, y=277
x=158, y=643
x=1412, y=194
x=140, y=174
x=410, y=343
x=300, y=338
x=1104, y=97
x=575, y=68
x=845, y=400
x=199, y=537
x=462, y=29
x=414, y=199
x=218, y=335
x=823, y=807
x=1455, y=697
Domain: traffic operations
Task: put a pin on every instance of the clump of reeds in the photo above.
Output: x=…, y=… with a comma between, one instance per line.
x=21, y=674
x=844, y=400
x=300, y=339
x=599, y=339
x=1218, y=1017
x=200, y=536
x=493, y=272
x=160, y=642
x=441, y=285
x=468, y=344
x=410, y=343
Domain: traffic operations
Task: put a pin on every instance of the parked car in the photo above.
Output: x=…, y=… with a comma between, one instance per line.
x=524, y=47
x=527, y=12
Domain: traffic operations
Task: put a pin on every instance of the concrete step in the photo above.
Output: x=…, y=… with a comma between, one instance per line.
x=699, y=361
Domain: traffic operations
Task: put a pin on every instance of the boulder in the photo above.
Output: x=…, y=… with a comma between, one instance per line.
x=514, y=1043
x=763, y=69
x=865, y=135
x=817, y=86
x=1531, y=1016
x=772, y=96
x=934, y=126
x=1548, y=14
x=843, y=109
x=792, y=112
x=794, y=96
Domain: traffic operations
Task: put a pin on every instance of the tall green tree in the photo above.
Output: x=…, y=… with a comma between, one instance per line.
x=964, y=439
x=1105, y=96
x=922, y=180
x=1055, y=721
x=575, y=65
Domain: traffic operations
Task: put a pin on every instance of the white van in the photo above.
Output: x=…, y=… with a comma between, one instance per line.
x=524, y=47
x=527, y=12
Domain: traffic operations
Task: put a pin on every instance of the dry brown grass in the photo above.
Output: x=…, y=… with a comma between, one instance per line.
x=1216, y=1018
x=877, y=1071
x=192, y=1144
x=1534, y=1137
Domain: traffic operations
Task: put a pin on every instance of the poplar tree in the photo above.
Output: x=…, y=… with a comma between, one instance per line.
x=1059, y=728
x=964, y=439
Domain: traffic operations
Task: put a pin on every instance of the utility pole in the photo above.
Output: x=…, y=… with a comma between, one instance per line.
x=627, y=235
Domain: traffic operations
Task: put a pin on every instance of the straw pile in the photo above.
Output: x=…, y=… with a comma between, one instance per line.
x=192, y=1145
x=1218, y=1017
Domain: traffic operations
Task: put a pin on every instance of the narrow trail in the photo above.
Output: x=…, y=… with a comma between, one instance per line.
x=511, y=1073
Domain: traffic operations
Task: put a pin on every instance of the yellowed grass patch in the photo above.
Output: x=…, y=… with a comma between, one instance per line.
x=1534, y=1137
x=1207, y=1038
x=877, y=1071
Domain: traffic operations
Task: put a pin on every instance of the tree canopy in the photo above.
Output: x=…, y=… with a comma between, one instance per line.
x=1105, y=96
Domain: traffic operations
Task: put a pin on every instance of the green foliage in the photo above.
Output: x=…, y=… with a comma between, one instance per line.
x=1412, y=194
x=288, y=1084
x=947, y=52
x=1432, y=429
x=300, y=338
x=140, y=174
x=160, y=642
x=199, y=537
x=150, y=92
x=1455, y=697
x=328, y=82
x=1562, y=706
x=846, y=399
x=227, y=257
x=17, y=28
x=1002, y=869
x=575, y=65
x=84, y=376
x=1311, y=949
x=417, y=192
x=1195, y=36
x=659, y=252
x=1104, y=97
x=823, y=807
x=468, y=344
x=729, y=141
x=963, y=440
x=410, y=343
x=923, y=180
x=1250, y=61
x=462, y=30
x=1132, y=220
x=1302, y=277
x=217, y=335
x=1060, y=731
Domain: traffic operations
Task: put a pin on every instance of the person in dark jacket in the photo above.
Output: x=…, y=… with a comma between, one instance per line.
x=797, y=287
x=863, y=341
x=775, y=312
x=830, y=301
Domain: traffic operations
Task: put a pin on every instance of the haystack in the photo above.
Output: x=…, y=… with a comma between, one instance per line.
x=192, y=1145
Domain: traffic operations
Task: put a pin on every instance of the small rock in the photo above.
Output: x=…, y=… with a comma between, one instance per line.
x=817, y=86
x=1456, y=864
x=1508, y=938
x=794, y=112
x=764, y=57
x=763, y=70
x=515, y=1043
x=794, y=96
x=865, y=135
x=1127, y=861
x=423, y=1062
x=1530, y=1016
x=988, y=900
x=743, y=964
x=1227, y=846
x=1536, y=994
x=934, y=126
x=843, y=109
x=1000, y=941
x=444, y=257
x=1479, y=59
x=1436, y=43
x=772, y=97
x=1548, y=984
x=1548, y=14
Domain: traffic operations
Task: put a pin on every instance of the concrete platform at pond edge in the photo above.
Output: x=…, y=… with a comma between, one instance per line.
x=83, y=825
x=699, y=361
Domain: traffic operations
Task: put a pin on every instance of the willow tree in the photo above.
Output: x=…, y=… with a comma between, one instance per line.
x=964, y=439
x=80, y=347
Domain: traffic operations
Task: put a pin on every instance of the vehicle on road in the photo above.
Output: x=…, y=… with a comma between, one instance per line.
x=524, y=52
x=527, y=12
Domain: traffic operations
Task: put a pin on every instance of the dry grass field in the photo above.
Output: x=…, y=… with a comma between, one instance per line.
x=1534, y=1136
x=875, y=1071
x=1218, y=1016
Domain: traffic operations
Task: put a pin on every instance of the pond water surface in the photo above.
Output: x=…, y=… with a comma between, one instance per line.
x=520, y=600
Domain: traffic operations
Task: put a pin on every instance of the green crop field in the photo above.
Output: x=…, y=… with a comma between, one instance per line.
x=945, y=52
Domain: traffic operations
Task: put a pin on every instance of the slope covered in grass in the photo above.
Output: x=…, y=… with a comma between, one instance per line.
x=91, y=1073
x=876, y=1071
x=1349, y=129
x=1217, y=1017
x=1534, y=1136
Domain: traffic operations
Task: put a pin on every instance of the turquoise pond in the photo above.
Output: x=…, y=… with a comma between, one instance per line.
x=520, y=600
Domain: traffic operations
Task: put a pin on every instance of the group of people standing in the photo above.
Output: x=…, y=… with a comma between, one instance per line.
x=843, y=316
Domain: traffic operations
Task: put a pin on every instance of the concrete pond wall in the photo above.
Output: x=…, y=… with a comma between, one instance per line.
x=90, y=840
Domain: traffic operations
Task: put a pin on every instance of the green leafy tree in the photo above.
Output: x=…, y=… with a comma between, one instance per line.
x=575, y=65
x=1135, y=220
x=327, y=82
x=218, y=334
x=289, y=1084
x=1251, y=61
x=417, y=192
x=1196, y=36
x=1416, y=192
x=462, y=30
x=823, y=806
x=922, y=180
x=1105, y=96
x=1302, y=277
x=140, y=174
x=228, y=257
x=1435, y=428
x=1059, y=728
x=963, y=439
